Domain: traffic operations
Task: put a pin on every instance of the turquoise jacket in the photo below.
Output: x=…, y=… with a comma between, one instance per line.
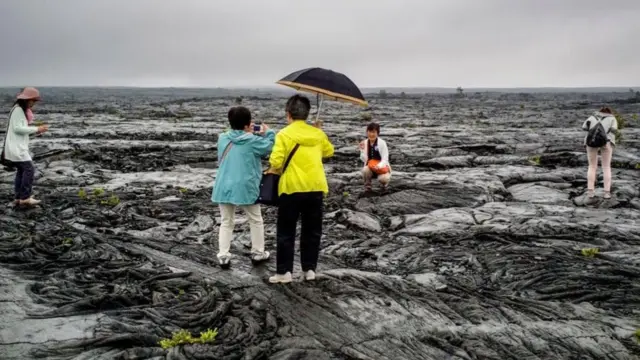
x=238, y=178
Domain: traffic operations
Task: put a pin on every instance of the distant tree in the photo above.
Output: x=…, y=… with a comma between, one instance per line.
x=383, y=94
x=239, y=100
x=403, y=95
x=460, y=91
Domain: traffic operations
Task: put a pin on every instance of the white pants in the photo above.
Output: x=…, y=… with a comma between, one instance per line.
x=367, y=174
x=253, y=212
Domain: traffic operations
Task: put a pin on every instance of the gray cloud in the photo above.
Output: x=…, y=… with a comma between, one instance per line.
x=376, y=43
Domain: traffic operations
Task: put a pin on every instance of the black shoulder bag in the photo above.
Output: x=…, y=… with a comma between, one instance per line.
x=268, y=191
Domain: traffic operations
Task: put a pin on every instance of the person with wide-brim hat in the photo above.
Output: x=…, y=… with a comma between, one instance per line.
x=15, y=152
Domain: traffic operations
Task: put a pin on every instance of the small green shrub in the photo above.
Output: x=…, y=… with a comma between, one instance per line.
x=535, y=160
x=97, y=192
x=113, y=200
x=183, y=337
x=67, y=241
x=638, y=166
x=345, y=194
x=183, y=190
x=366, y=116
x=590, y=252
x=82, y=194
x=637, y=334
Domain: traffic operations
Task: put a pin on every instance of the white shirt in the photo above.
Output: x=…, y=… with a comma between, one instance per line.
x=382, y=148
x=16, y=147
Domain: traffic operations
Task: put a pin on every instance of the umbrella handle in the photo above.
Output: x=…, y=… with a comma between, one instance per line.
x=319, y=100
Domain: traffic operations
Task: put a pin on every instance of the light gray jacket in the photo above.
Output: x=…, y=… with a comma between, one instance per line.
x=609, y=123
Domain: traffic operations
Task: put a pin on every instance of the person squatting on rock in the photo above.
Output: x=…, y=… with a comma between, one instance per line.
x=608, y=136
x=375, y=155
x=301, y=188
x=238, y=180
x=16, y=145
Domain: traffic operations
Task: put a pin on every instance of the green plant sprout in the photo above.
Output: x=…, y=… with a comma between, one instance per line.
x=97, y=192
x=637, y=334
x=67, y=241
x=111, y=201
x=535, y=160
x=183, y=190
x=183, y=337
x=180, y=292
x=638, y=166
x=82, y=194
x=590, y=252
x=345, y=194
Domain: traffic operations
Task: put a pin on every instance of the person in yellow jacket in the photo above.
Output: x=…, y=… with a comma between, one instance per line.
x=301, y=189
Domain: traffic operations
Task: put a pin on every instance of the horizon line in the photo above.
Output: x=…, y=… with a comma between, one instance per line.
x=271, y=87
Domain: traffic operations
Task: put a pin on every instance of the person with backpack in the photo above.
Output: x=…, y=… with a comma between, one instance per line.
x=301, y=189
x=601, y=130
x=15, y=150
x=374, y=153
x=238, y=180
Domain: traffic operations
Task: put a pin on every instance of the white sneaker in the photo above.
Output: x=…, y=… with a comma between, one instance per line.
x=281, y=279
x=310, y=275
x=258, y=257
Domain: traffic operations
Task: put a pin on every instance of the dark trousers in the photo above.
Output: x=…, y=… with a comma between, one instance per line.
x=23, y=183
x=308, y=207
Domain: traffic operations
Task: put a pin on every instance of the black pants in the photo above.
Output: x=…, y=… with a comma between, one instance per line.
x=23, y=183
x=308, y=207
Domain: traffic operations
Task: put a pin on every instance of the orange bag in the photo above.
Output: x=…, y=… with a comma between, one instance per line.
x=372, y=165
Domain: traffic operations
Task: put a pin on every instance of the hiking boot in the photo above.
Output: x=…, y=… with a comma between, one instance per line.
x=258, y=257
x=281, y=279
x=224, y=261
x=368, y=188
x=30, y=202
x=607, y=195
x=385, y=189
x=591, y=194
x=310, y=275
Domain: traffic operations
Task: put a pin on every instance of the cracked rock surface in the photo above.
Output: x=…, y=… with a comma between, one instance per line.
x=476, y=252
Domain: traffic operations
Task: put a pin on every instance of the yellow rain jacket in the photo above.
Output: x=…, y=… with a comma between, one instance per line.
x=305, y=172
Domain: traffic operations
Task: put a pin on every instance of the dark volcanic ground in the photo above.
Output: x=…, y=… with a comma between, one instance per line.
x=477, y=252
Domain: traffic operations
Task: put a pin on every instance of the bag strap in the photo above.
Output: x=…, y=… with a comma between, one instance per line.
x=224, y=154
x=8, y=126
x=286, y=163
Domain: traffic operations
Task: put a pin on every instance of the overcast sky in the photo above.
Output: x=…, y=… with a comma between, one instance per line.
x=469, y=43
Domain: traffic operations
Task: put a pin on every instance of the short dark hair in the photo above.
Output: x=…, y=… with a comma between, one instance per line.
x=374, y=127
x=239, y=117
x=298, y=107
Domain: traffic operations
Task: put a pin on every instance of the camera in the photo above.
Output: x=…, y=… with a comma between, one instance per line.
x=257, y=128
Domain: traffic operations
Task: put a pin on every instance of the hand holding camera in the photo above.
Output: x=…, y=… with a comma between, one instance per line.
x=260, y=129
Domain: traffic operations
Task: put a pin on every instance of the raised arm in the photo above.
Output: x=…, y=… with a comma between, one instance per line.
x=19, y=123
x=262, y=145
x=363, y=150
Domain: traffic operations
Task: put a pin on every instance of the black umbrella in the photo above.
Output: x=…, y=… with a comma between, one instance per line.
x=325, y=84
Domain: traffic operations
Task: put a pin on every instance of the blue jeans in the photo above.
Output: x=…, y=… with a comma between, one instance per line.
x=23, y=184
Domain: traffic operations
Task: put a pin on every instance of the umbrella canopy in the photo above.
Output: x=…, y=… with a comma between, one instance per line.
x=330, y=84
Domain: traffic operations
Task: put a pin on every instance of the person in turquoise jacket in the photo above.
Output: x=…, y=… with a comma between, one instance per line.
x=237, y=182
